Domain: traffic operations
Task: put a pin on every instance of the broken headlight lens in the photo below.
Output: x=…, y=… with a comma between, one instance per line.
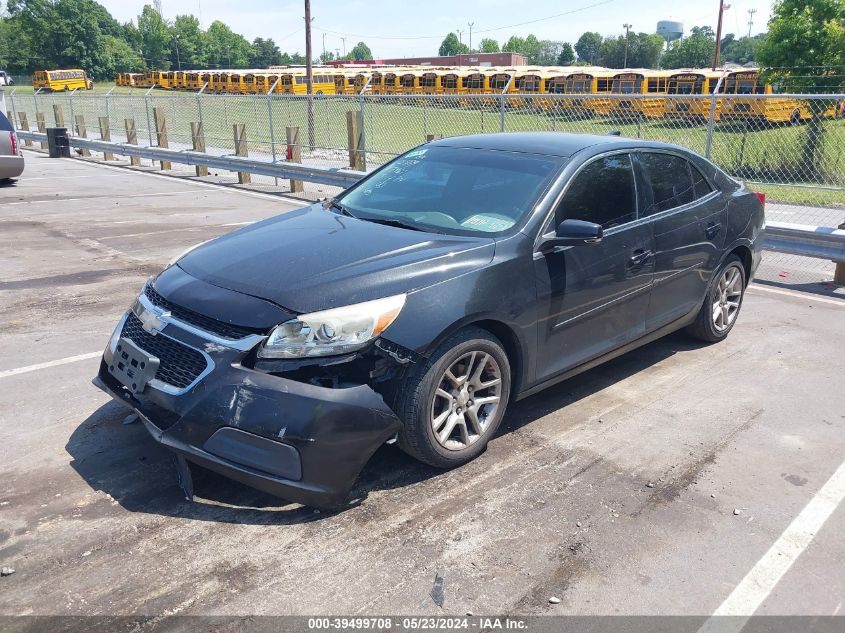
x=333, y=331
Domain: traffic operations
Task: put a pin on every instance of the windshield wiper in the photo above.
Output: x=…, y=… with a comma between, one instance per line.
x=334, y=204
x=391, y=222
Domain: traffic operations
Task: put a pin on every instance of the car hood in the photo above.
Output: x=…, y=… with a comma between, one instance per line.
x=314, y=259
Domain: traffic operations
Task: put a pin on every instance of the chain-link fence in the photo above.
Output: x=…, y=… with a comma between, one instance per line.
x=790, y=147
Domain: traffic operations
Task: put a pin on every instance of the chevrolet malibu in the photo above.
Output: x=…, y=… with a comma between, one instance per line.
x=465, y=274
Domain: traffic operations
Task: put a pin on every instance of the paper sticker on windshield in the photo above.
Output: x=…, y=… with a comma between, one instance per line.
x=417, y=153
x=486, y=223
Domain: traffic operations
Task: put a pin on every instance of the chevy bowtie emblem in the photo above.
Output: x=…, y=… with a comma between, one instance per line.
x=152, y=322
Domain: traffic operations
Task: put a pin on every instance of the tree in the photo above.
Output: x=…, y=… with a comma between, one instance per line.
x=452, y=46
x=515, y=44
x=326, y=57
x=588, y=46
x=740, y=51
x=694, y=51
x=155, y=39
x=361, y=52
x=265, y=53
x=488, y=45
x=120, y=57
x=192, y=42
x=643, y=51
x=806, y=41
x=566, y=56
x=548, y=53
x=227, y=49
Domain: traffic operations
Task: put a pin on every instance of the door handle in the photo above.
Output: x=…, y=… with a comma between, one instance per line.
x=712, y=229
x=639, y=257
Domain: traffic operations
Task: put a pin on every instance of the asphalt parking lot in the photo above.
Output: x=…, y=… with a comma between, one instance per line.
x=678, y=479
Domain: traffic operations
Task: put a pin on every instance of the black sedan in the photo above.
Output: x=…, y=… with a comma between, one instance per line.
x=465, y=274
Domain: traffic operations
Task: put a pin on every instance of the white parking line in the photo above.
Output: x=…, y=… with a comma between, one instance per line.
x=796, y=294
x=52, y=363
x=161, y=194
x=758, y=583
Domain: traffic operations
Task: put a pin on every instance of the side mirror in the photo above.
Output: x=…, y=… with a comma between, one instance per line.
x=572, y=232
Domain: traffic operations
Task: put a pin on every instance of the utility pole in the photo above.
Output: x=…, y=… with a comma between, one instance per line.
x=470, y=24
x=344, y=45
x=324, y=48
x=178, y=60
x=309, y=74
x=460, y=32
x=751, y=13
x=627, y=28
x=722, y=8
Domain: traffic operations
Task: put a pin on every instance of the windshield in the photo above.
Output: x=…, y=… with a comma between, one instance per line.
x=454, y=190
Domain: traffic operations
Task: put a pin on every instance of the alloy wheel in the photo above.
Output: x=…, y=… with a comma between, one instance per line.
x=466, y=400
x=727, y=297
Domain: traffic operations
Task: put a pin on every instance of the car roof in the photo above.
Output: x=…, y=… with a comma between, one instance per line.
x=561, y=144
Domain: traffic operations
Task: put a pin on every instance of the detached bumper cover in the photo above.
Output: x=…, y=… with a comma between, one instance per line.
x=296, y=440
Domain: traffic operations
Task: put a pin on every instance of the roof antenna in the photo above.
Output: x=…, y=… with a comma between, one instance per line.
x=614, y=133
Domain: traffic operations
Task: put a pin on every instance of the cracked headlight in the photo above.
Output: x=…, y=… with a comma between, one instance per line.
x=334, y=331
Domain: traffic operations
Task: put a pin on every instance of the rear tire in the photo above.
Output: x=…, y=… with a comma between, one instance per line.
x=719, y=312
x=452, y=404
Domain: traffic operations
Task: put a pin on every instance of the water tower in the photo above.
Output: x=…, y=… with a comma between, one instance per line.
x=670, y=30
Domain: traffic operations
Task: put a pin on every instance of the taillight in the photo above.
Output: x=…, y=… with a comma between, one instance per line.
x=14, y=144
x=761, y=197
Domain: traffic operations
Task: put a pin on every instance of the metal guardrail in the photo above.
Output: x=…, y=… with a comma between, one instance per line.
x=794, y=239
x=821, y=242
x=332, y=176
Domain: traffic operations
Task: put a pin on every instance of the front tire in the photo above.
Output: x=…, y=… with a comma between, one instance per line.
x=722, y=303
x=452, y=404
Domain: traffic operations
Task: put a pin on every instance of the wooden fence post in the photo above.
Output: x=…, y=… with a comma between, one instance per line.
x=839, y=273
x=11, y=117
x=59, y=115
x=241, y=149
x=105, y=135
x=294, y=155
x=354, y=130
x=432, y=137
x=161, y=133
x=82, y=132
x=41, y=124
x=198, y=137
x=24, y=126
x=132, y=139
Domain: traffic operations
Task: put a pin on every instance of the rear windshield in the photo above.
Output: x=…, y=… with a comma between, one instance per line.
x=5, y=126
x=454, y=190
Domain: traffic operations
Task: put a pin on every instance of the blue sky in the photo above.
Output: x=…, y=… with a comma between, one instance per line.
x=424, y=24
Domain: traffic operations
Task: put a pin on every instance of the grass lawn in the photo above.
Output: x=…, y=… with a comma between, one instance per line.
x=767, y=154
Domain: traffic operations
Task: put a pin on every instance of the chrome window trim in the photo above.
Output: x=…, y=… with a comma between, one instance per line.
x=542, y=234
x=242, y=345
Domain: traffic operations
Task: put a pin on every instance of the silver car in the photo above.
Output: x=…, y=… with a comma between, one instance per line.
x=11, y=159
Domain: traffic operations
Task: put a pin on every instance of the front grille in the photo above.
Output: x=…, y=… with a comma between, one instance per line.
x=179, y=365
x=213, y=326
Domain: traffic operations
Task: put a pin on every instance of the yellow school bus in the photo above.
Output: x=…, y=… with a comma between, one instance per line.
x=451, y=82
x=698, y=84
x=429, y=82
x=640, y=82
x=55, y=80
x=377, y=82
x=760, y=108
x=391, y=83
x=344, y=82
x=588, y=81
x=158, y=78
x=322, y=82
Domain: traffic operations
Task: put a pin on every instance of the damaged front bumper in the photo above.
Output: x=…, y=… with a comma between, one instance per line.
x=300, y=441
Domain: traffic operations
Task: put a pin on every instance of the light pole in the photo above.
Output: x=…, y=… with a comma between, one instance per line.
x=722, y=8
x=460, y=32
x=324, y=48
x=627, y=28
x=344, y=45
x=470, y=25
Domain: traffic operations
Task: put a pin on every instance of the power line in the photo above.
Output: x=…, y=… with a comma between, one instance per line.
x=490, y=30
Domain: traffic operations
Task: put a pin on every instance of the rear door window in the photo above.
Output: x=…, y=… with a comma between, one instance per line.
x=603, y=192
x=5, y=126
x=700, y=185
x=670, y=180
